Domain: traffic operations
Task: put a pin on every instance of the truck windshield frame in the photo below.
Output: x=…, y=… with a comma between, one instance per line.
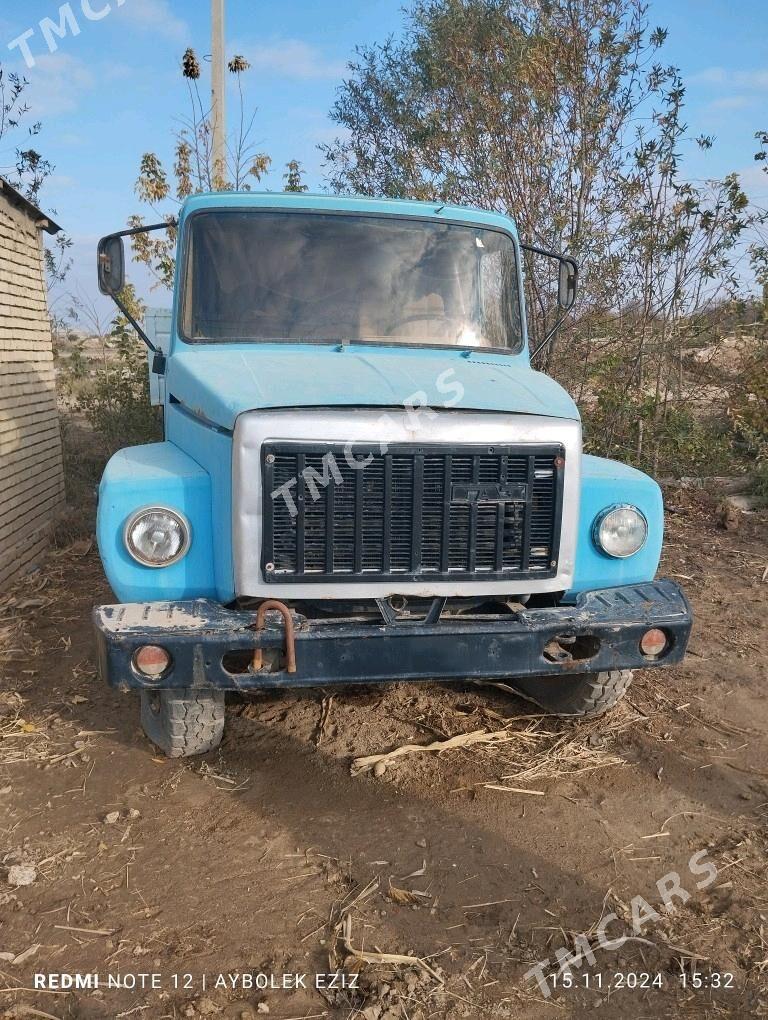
x=367, y=278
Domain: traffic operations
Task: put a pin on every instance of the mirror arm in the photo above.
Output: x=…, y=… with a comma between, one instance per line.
x=564, y=315
x=550, y=254
x=158, y=362
x=548, y=337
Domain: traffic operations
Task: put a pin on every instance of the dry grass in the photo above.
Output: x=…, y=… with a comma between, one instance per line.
x=547, y=749
x=42, y=594
x=527, y=749
x=32, y=595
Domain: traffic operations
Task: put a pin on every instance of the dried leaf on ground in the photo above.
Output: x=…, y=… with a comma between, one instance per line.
x=460, y=740
x=391, y=958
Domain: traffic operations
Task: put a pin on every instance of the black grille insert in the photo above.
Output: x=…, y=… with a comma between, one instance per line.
x=353, y=513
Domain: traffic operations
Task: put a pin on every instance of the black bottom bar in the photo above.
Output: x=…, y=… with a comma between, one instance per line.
x=601, y=631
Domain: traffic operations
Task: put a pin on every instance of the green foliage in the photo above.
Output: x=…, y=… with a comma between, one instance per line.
x=116, y=403
x=750, y=415
x=757, y=444
x=57, y=260
x=76, y=367
x=30, y=170
x=193, y=170
x=751, y=403
x=561, y=113
x=293, y=177
x=632, y=425
x=112, y=394
x=676, y=443
x=510, y=105
x=705, y=415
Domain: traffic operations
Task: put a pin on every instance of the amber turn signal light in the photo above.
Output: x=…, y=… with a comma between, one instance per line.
x=653, y=643
x=151, y=660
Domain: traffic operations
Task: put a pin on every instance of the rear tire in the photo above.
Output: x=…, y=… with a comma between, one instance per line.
x=585, y=695
x=183, y=722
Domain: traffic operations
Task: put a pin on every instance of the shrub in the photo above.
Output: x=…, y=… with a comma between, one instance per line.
x=115, y=399
x=750, y=414
x=112, y=392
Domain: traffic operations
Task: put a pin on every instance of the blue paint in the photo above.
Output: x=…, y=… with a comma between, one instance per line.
x=209, y=385
x=220, y=381
x=603, y=484
x=213, y=451
x=157, y=474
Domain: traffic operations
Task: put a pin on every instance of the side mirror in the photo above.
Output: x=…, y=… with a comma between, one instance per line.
x=566, y=284
x=568, y=275
x=111, y=264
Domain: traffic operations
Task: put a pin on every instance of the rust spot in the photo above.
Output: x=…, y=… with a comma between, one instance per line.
x=568, y=649
x=257, y=662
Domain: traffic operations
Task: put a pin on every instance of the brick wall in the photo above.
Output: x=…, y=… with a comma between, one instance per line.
x=31, y=475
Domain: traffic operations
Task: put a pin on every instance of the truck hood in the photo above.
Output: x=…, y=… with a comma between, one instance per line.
x=218, y=383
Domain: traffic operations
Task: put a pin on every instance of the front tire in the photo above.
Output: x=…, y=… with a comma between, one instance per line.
x=586, y=694
x=183, y=722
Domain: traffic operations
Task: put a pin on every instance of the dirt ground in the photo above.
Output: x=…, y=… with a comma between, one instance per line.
x=268, y=861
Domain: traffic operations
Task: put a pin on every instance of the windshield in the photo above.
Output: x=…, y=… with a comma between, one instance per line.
x=328, y=277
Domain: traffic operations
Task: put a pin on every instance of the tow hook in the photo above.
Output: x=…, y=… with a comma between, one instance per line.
x=257, y=663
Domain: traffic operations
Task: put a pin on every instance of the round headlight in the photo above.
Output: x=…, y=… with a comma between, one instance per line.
x=157, y=537
x=620, y=531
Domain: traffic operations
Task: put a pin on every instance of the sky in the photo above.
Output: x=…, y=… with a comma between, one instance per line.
x=111, y=90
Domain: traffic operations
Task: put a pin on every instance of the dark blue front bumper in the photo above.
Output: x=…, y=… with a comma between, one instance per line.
x=210, y=645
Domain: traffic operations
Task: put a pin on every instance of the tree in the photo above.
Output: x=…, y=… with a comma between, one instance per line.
x=759, y=249
x=29, y=173
x=294, y=179
x=111, y=393
x=193, y=168
x=29, y=170
x=518, y=106
x=561, y=113
x=676, y=248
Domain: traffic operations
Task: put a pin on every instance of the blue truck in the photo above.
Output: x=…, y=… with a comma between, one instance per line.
x=362, y=478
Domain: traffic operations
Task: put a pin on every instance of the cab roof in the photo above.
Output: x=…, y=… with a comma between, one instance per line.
x=284, y=200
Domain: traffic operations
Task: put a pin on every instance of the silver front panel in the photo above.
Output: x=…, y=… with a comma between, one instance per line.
x=352, y=425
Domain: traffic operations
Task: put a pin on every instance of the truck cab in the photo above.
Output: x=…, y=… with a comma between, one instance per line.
x=362, y=477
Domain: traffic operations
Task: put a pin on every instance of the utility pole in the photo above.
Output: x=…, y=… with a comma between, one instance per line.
x=218, y=97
